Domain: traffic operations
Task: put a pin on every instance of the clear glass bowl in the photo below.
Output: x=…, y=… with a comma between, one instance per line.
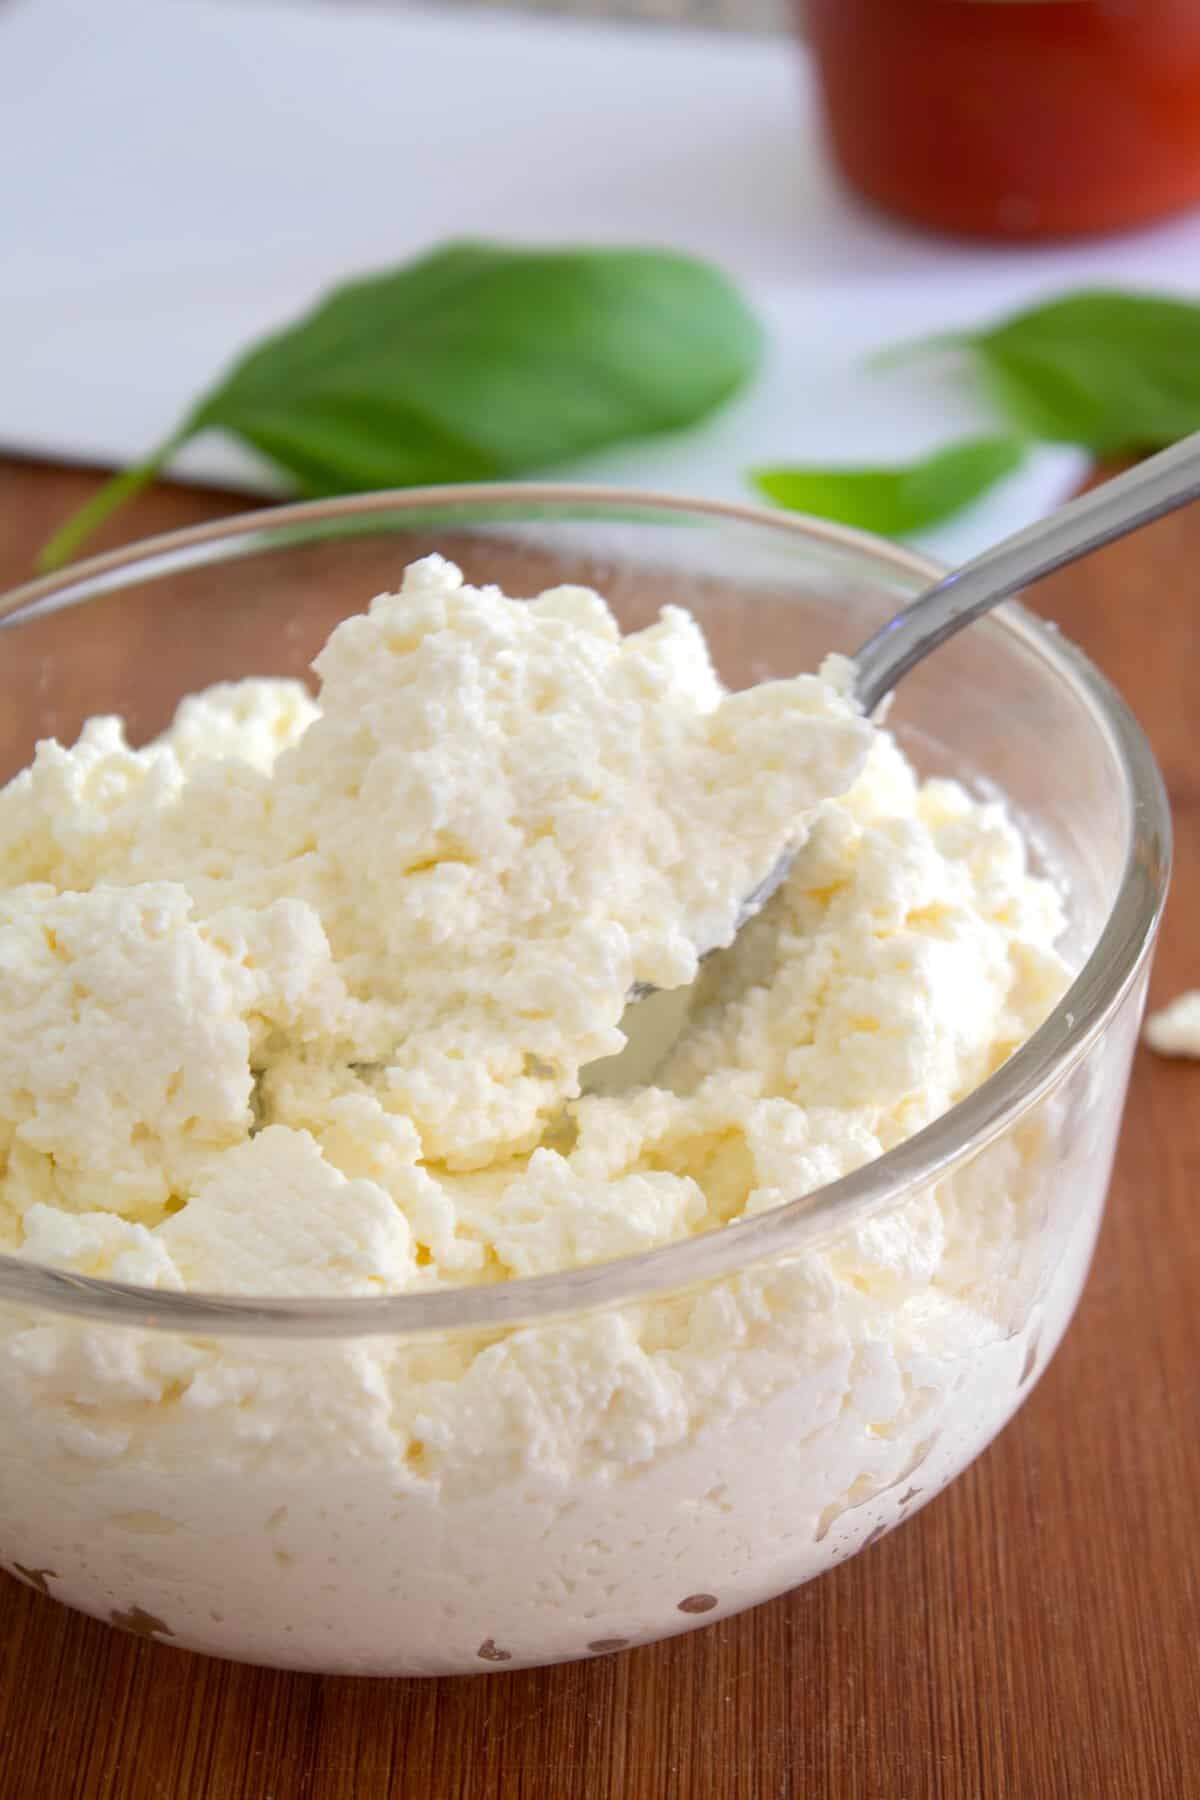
x=603, y=1457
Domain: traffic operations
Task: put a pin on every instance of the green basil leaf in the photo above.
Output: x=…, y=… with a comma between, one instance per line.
x=1114, y=372
x=896, y=501
x=476, y=361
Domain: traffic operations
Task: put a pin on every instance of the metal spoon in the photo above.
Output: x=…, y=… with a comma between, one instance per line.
x=1144, y=493
x=1112, y=510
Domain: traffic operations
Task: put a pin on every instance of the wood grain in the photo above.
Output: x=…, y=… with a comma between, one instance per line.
x=1033, y=1634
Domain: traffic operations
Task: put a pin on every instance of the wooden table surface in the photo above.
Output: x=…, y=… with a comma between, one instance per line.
x=1033, y=1634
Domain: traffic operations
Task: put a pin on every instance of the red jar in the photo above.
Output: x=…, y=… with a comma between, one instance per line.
x=1014, y=118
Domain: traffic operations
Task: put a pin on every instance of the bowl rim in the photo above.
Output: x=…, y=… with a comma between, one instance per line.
x=1101, y=984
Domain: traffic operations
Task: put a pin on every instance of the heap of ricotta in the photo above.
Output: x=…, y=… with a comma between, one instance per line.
x=295, y=999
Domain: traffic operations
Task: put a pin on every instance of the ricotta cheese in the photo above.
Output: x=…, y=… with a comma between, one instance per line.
x=294, y=1002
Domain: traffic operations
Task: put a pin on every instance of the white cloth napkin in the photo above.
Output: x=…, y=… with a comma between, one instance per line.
x=194, y=174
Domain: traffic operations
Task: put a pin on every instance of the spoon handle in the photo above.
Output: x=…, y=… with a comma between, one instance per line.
x=1141, y=494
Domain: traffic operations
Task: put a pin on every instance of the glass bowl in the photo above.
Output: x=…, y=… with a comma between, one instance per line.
x=603, y=1457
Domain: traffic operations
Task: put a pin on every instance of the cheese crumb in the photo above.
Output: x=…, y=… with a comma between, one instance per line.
x=1175, y=1030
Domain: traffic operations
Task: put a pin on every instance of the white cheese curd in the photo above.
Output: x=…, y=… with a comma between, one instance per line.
x=294, y=1002
x=1175, y=1029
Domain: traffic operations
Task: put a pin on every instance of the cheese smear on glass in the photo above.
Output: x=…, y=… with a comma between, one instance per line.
x=294, y=1001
